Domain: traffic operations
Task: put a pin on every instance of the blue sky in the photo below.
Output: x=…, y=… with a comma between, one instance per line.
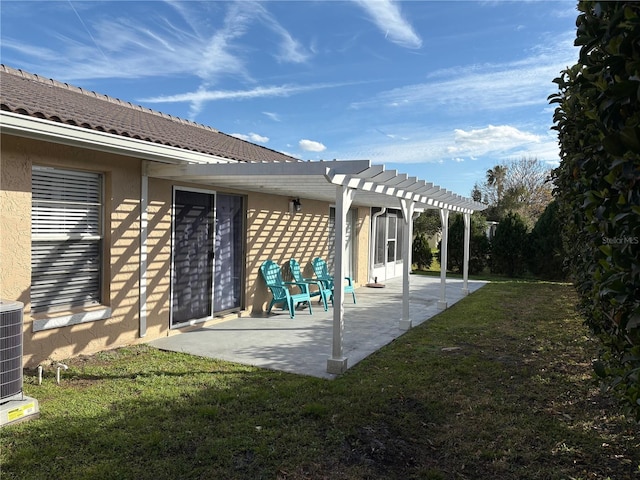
x=441, y=90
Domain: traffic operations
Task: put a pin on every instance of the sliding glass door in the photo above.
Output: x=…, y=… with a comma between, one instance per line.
x=207, y=265
x=229, y=241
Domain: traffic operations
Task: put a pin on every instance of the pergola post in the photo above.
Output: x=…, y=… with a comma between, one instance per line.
x=444, y=219
x=465, y=263
x=408, y=207
x=337, y=363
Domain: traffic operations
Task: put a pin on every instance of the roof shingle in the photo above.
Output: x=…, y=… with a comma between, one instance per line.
x=32, y=95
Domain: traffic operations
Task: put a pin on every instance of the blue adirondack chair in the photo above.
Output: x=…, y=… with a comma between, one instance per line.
x=322, y=292
x=322, y=274
x=280, y=289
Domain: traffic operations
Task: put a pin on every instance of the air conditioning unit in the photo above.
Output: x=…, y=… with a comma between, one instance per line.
x=10, y=349
x=14, y=406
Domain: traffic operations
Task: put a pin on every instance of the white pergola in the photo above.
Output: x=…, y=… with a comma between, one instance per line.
x=354, y=182
x=345, y=183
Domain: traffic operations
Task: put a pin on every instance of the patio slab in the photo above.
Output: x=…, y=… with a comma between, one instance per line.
x=302, y=345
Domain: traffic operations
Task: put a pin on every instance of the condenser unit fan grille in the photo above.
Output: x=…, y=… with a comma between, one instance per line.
x=10, y=349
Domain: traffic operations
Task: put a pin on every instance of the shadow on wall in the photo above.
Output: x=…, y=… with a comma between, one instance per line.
x=275, y=234
x=122, y=267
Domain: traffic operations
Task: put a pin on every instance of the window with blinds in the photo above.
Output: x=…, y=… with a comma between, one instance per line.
x=66, y=238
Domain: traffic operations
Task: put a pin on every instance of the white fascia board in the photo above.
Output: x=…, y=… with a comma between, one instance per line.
x=257, y=169
x=72, y=135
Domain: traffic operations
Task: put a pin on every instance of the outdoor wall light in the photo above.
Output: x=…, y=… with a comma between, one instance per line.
x=295, y=205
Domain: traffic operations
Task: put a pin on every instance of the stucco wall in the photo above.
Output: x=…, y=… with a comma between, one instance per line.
x=15, y=222
x=158, y=257
x=272, y=232
x=363, y=227
x=275, y=233
x=121, y=265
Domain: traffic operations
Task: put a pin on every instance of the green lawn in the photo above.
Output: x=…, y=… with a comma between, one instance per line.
x=498, y=386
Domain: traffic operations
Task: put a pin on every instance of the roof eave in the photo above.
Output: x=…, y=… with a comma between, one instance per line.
x=71, y=135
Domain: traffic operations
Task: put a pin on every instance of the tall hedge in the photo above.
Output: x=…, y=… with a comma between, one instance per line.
x=509, y=246
x=598, y=185
x=545, y=255
x=478, y=244
x=421, y=253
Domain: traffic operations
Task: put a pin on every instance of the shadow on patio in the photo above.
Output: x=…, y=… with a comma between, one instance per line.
x=303, y=344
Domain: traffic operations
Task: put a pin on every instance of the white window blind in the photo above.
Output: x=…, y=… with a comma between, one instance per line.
x=66, y=238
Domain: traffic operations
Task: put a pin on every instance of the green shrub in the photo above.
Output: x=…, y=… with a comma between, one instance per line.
x=478, y=244
x=421, y=253
x=546, y=254
x=509, y=245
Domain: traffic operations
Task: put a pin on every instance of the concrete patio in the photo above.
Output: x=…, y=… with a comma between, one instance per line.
x=303, y=344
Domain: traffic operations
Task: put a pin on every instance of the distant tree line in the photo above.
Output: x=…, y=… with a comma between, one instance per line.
x=526, y=238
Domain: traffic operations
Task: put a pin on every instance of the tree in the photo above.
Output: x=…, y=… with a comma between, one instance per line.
x=546, y=253
x=529, y=181
x=496, y=179
x=476, y=193
x=509, y=245
x=421, y=253
x=478, y=244
x=597, y=185
x=521, y=186
x=428, y=223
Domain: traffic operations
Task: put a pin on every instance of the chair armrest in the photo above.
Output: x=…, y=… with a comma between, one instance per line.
x=325, y=282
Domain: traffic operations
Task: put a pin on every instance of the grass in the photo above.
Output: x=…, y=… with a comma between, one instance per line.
x=496, y=387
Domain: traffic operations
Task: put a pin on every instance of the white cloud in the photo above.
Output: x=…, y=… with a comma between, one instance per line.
x=290, y=50
x=204, y=95
x=496, y=143
x=311, y=146
x=388, y=18
x=129, y=47
x=273, y=116
x=180, y=41
x=491, y=138
x=251, y=137
x=487, y=86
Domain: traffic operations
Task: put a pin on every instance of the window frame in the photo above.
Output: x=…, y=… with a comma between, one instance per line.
x=68, y=216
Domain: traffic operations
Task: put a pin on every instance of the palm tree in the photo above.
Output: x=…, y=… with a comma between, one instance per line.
x=495, y=178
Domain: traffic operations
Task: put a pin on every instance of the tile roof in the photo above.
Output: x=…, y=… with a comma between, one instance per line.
x=28, y=94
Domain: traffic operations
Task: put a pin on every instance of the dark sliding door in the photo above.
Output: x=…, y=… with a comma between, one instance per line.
x=193, y=256
x=229, y=253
